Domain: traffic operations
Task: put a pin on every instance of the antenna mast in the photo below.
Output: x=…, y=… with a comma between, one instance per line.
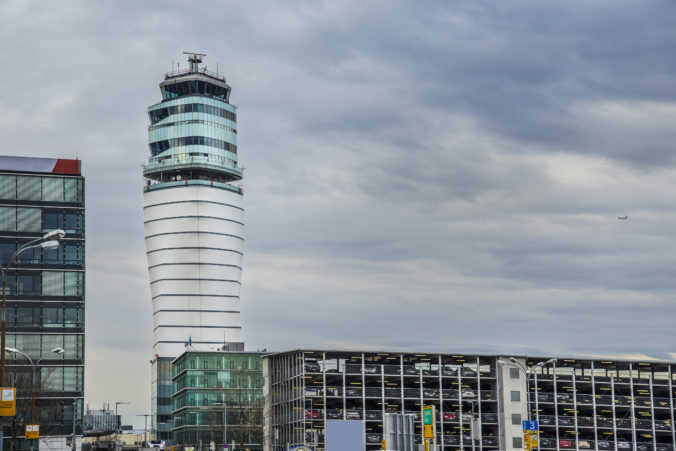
x=194, y=59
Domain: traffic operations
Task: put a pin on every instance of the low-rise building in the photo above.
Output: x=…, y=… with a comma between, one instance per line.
x=480, y=400
x=217, y=393
x=103, y=420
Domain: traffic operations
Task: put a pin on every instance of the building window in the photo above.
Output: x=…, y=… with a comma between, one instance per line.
x=516, y=442
x=516, y=419
x=516, y=395
x=513, y=373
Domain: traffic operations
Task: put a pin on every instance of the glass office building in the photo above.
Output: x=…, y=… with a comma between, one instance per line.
x=45, y=294
x=194, y=226
x=202, y=383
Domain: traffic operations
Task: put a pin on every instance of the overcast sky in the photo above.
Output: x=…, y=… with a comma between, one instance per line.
x=430, y=176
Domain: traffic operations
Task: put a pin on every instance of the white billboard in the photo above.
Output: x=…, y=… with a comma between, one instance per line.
x=344, y=435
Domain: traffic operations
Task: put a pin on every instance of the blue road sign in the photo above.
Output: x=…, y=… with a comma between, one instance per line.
x=530, y=425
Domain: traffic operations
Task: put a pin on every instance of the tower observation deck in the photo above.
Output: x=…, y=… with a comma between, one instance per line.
x=193, y=130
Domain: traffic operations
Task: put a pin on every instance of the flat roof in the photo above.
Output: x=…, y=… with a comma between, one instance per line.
x=40, y=165
x=480, y=354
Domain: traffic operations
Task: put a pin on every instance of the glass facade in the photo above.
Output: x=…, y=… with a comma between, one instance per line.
x=161, y=397
x=193, y=133
x=202, y=383
x=45, y=301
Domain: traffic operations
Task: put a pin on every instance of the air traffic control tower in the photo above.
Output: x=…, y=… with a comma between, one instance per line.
x=193, y=220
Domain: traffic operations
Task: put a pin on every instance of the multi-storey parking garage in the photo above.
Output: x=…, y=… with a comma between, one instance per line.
x=580, y=403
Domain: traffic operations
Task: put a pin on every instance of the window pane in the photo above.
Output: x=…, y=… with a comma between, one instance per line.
x=51, y=317
x=28, y=188
x=70, y=190
x=52, y=189
x=7, y=248
x=8, y=219
x=28, y=219
x=28, y=285
x=27, y=317
x=51, y=219
x=52, y=283
x=8, y=187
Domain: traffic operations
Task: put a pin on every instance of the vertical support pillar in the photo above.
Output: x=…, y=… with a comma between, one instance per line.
x=303, y=400
x=537, y=403
x=382, y=395
x=324, y=395
x=441, y=399
x=577, y=435
x=401, y=383
x=343, y=392
x=633, y=407
x=612, y=402
x=671, y=406
x=478, y=403
x=652, y=412
x=363, y=396
x=596, y=426
x=460, y=418
x=556, y=406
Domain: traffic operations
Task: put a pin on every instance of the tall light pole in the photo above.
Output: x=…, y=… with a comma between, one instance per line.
x=527, y=372
x=145, y=430
x=48, y=241
x=117, y=419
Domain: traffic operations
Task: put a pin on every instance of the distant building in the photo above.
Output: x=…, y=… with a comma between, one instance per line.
x=45, y=294
x=480, y=400
x=103, y=420
x=202, y=383
x=193, y=219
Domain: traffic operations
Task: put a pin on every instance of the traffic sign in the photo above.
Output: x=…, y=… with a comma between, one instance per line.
x=529, y=425
x=32, y=431
x=530, y=441
x=428, y=422
x=7, y=401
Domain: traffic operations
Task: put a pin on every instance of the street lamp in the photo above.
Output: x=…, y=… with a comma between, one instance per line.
x=48, y=241
x=117, y=420
x=34, y=365
x=145, y=430
x=527, y=372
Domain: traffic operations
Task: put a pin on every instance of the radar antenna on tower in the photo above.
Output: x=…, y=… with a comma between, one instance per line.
x=195, y=59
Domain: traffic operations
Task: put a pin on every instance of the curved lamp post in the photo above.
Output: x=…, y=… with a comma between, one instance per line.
x=527, y=372
x=34, y=365
x=117, y=420
x=49, y=241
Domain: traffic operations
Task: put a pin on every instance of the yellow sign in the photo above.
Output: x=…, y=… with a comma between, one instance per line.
x=530, y=441
x=32, y=431
x=428, y=422
x=7, y=401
